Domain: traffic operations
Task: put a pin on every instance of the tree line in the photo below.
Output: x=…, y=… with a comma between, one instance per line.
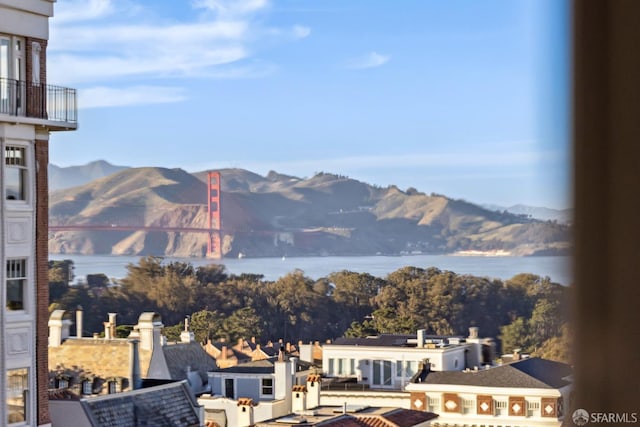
x=526, y=312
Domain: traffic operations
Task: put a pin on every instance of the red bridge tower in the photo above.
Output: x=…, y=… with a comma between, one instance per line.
x=214, y=248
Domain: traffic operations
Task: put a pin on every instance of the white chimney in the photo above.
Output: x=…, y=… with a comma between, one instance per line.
x=79, y=322
x=187, y=336
x=150, y=329
x=299, y=398
x=283, y=382
x=245, y=412
x=112, y=324
x=421, y=334
x=473, y=332
x=107, y=330
x=313, y=391
x=58, y=328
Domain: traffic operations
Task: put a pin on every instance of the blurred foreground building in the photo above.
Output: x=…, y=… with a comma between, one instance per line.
x=29, y=110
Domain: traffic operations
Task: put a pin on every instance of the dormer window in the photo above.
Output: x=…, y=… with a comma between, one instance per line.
x=87, y=387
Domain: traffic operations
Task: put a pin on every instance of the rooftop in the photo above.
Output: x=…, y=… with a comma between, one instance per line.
x=533, y=372
x=169, y=405
x=356, y=416
x=398, y=340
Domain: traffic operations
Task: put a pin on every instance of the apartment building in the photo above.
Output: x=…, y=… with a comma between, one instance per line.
x=30, y=109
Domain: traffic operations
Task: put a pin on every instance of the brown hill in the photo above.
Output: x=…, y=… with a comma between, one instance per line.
x=283, y=215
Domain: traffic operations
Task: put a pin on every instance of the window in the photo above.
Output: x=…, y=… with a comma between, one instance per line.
x=406, y=368
x=16, y=280
x=533, y=408
x=331, y=367
x=468, y=406
x=12, y=70
x=63, y=383
x=346, y=367
x=500, y=407
x=382, y=372
x=17, y=395
x=433, y=404
x=87, y=387
x=229, y=388
x=112, y=387
x=267, y=387
x=15, y=174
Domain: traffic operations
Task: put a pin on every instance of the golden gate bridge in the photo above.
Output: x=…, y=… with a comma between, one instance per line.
x=213, y=229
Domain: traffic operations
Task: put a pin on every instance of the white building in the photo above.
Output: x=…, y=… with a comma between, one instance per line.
x=29, y=110
x=530, y=392
x=389, y=361
x=260, y=390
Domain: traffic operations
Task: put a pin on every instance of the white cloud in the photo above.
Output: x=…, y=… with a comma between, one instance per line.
x=82, y=10
x=370, y=60
x=231, y=8
x=106, y=43
x=454, y=161
x=97, y=97
x=300, y=31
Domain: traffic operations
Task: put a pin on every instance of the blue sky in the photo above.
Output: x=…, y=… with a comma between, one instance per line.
x=463, y=98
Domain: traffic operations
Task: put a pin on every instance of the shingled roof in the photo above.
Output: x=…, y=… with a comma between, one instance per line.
x=170, y=405
x=182, y=358
x=532, y=372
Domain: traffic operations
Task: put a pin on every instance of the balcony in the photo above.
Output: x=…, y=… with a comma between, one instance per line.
x=54, y=107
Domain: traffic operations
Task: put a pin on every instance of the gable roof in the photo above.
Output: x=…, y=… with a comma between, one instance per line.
x=265, y=366
x=532, y=372
x=170, y=405
x=183, y=358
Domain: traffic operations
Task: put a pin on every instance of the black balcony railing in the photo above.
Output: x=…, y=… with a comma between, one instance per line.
x=40, y=101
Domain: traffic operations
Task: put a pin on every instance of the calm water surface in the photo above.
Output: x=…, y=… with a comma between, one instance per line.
x=557, y=267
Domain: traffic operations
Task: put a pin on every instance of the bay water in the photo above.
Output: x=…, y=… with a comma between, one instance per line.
x=499, y=267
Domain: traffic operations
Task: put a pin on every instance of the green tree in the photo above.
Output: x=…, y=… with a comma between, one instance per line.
x=61, y=271
x=206, y=324
x=243, y=323
x=516, y=335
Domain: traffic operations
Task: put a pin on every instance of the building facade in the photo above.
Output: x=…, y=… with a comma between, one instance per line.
x=525, y=393
x=29, y=110
x=389, y=361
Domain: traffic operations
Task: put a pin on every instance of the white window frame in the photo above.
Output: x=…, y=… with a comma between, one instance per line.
x=433, y=404
x=87, y=387
x=263, y=386
x=21, y=165
x=11, y=390
x=24, y=279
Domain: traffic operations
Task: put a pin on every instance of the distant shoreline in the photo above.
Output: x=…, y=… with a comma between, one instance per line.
x=493, y=253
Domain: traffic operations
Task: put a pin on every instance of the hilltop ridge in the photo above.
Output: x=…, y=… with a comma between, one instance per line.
x=277, y=215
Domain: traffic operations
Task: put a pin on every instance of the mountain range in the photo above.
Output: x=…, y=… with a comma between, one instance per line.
x=278, y=215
